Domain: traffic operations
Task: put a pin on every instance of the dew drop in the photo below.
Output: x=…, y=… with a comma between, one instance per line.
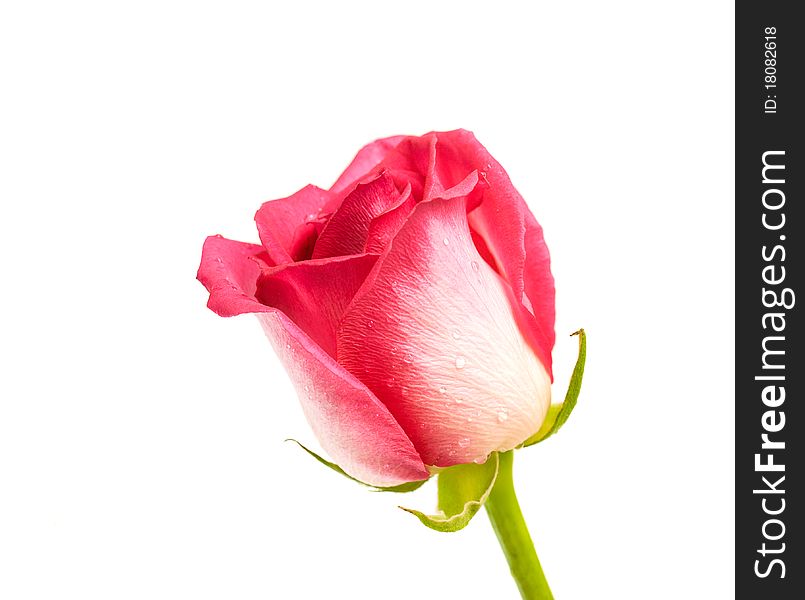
x=460, y=362
x=370, y=324
x=442, y=389
x=287, y=346
x=456, y=334
x=409, y=358
x=503, y=415
x=463, y=442
x=446, y=242
x=475, y=266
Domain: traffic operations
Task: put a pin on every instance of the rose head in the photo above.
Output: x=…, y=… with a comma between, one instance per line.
x=412, y=304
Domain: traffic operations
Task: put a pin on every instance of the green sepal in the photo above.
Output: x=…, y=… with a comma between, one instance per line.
x=403, y=487
x=559, y=413
x=463, y=489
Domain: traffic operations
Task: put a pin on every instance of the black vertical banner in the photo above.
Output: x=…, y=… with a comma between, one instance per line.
x=769, y=226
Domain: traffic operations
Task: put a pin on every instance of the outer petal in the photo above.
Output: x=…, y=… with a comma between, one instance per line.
x=348, y=228
x=351, y=424
x=365, y=161
x=512, y=234
x=279, y=222
x=314, y=293
x=229, y=270
x=432, y=333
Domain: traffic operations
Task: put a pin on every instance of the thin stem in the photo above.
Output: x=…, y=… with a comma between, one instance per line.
x=509, y=525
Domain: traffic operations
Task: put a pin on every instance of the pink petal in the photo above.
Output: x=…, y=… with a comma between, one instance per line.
x=432, y=333
x=351, y=424
x=365, y=161
x=279, y=222
x=384, y=227
x=409, y=163
x=229, y=270
x=314, y=293
x=348, y=228
x=512, y=235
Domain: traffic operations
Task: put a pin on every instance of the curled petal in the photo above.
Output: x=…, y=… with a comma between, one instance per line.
x=348, y=228
x=384, y=227
x=280, y=222
x=229, y=270
x=365, y=161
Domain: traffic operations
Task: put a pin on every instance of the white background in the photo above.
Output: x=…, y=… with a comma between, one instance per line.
x=141, y=451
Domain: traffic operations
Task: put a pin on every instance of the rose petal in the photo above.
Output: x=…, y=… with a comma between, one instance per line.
x=384, y=227
x=512, y=235
x=351, y=424
x=279, y=221
x=314, y=293
x=408, y=163
x=229, y=270
x=348, y=228
x=444, y=352
x=365, y=161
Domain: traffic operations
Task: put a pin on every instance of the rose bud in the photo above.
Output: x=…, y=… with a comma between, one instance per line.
x=412, y=305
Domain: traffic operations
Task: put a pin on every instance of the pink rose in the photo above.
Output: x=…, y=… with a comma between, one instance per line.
x=412, y=304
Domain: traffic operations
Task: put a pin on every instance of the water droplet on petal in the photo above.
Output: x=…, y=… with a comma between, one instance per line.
x=446, y=242
x=463, y=442
x=456, y=334
x=460, y=362
x=442, y=389
x=475, y=266
x=370, y=324
x=409, y=358
x=503, y=414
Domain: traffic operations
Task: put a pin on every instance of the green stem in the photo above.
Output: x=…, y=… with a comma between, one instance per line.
x=509, y=525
